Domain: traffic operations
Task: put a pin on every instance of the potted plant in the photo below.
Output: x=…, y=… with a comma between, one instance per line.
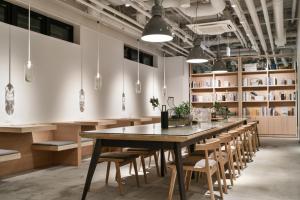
x=180, y=115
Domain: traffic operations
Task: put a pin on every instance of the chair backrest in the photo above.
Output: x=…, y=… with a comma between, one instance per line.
x=210, y=145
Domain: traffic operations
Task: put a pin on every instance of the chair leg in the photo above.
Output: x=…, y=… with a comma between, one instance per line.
x=119, y=179
x=156, y=164
x=172, y=183
x=243, y=154
x=210, y=185
x=149, y=164
x=238, y=160
x=107, y=173
x=232, y=166
x=231, y=171
x=221, y=165
x=188, y=180
x=144, y=168
x=136, y=173
x=219, y=183
x=130, y=168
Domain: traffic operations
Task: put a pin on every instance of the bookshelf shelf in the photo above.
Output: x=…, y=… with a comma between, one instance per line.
x=255, y=72
x=276, y=71
x=282, y=87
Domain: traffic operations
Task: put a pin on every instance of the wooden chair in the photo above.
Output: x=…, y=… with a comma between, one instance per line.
x=255, y=138
x=120, y=159
x=236, y=150
x=208, y=165
x=225, y=158
x=144, y=153
x=247, y=138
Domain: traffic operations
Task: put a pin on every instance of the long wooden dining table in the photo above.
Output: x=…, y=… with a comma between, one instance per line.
x=153, y=137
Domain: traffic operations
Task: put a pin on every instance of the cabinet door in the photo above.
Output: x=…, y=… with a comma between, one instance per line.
x=275, y=125
x=290, y=125
x=262, y=125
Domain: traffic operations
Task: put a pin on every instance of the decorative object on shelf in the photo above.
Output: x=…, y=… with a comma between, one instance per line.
x=9, y=89
x=164, y=89
x=138, y=86
x=180, y=115
x=219, y=65
x=98, y=77
x=28, y=68
x=164, y=118
x=81, y=91
x=157, y=30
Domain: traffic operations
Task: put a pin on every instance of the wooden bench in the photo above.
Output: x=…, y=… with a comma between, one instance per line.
x=7, y=155
x=53, y=145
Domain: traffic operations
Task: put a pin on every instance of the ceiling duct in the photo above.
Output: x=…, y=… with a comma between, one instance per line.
x=212, y=8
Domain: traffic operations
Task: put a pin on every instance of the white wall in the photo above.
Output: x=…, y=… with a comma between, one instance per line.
x=177, y=76
x=54, y=93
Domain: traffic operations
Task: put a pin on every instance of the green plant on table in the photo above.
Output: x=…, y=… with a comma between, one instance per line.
x=182, y=111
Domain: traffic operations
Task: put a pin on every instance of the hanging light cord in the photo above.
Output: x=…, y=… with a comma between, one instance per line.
x=98, y=55
x=29, y=32
x=164, y=69
x=138, y=60
x=9, y=59
x=81, y=67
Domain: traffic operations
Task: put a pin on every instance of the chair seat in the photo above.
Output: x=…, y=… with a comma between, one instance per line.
x=194, y=161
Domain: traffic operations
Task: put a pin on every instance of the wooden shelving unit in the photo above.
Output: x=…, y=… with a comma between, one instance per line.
x=275, y=102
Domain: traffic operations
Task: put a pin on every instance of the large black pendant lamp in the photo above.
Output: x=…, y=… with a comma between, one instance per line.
x=196, y=54
x=219, y=65
x=157, y=30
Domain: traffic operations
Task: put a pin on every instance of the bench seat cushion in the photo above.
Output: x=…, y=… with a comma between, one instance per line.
x=4, y=152
x=54, y=143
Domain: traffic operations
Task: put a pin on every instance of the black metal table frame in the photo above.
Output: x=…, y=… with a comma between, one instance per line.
x=155, y=145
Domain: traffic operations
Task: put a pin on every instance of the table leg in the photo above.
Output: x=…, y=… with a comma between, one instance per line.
x=162, y=163
x=92, y=167
x=178, y=161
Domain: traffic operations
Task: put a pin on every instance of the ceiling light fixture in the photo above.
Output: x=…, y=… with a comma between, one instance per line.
x=28, y=68
x=98, y=77
x=9, y=89
x=157, y=30
x=196, y=54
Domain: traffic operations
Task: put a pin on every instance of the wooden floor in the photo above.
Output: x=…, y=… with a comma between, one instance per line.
x=274, y=175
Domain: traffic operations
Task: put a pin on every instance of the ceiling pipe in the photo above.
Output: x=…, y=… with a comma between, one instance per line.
x=294, y=7
x=215, y=7
x=251, y=7
x=124, y=23
x=269, y=30
x=280, y=39
x=240, y=13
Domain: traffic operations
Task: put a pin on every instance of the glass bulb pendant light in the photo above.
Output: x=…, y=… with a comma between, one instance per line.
x=164, y=89
x=138, y=86
x=157, y=30
x=9, y=89
x=98, y=77
x=28, y=65
x=123, y=88
x=81, y=91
